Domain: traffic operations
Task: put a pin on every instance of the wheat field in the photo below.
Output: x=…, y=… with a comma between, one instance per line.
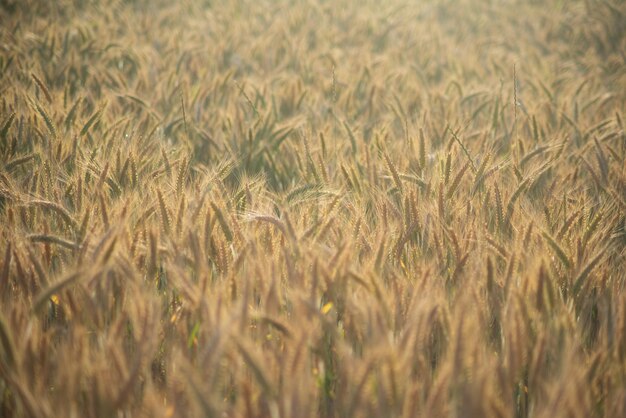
x=312, y=208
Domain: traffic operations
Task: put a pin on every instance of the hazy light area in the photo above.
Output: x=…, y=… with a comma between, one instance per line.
x=309, y=208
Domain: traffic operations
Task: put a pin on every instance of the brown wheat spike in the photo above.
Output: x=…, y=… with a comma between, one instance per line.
x=166, y=162
x=511, y=205
x=394, y=172
x=54, y=207
x=447, y=169
x=6, y=126
x=180, y=178
x=222, y=221
x=49, y=123
x=50, y=239
x=499, y=213
x=92, y=121
x=179, y=214
x=456, y=181
x=164, y=212
x=584, y=273
x=16, y=162
x=103, y=212
x=133, y=171
x=558, y=251
x=441, y=203
x=422, y=150
x=43, y=88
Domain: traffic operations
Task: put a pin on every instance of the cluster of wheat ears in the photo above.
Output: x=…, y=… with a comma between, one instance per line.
x=299, y=208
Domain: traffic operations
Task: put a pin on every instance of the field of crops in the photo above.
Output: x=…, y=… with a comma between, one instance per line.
x=312, y=208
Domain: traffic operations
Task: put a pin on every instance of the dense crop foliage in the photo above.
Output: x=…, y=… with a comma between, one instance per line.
x=299, y=208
